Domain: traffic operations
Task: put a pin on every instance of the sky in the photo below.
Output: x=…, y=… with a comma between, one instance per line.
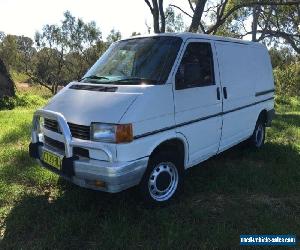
x=25, y=17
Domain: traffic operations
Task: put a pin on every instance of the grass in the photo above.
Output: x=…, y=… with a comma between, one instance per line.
x=241, y=191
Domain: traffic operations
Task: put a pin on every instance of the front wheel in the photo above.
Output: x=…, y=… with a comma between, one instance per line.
x=162, y=179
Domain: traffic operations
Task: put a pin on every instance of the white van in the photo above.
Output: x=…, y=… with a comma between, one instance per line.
x=153, y=106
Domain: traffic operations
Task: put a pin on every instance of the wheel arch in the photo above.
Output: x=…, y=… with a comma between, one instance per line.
x=263, y=115
x=177, y=143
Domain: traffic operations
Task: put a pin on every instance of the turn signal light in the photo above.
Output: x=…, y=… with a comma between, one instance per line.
x=100, y=183
x=124, y=133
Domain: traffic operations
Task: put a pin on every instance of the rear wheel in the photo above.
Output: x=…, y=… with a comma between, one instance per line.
x=257, y=140
x=162, y=179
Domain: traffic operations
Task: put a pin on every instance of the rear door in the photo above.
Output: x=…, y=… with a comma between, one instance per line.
x=198, y=104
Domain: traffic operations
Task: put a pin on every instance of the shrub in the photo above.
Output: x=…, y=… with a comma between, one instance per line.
x=21, y=100
x=287, y=80
x=7, y=103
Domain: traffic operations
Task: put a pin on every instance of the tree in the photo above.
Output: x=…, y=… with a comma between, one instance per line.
x=273, y=20
x=9, y=51
x=158, y=14
x=26, y=52
x=134, y=33
x=16, y=52
x=174, y=22
x=65, y=51
x=276, y=24
x=282, y=57
x=7, y=87
x=113, y=36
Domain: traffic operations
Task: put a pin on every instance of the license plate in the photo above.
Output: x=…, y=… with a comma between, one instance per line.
x=51, y=159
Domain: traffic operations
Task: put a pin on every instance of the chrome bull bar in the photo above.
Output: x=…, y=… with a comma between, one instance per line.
x=65, y=130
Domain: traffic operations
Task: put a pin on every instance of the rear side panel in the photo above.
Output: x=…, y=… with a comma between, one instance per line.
x=246, y=75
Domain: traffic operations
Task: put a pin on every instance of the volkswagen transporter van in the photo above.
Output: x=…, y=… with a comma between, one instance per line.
x=152, y=107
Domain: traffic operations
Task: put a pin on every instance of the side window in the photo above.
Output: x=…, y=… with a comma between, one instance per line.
x=197, y=67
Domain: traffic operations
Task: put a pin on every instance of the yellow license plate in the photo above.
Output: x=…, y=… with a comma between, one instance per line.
x=51, y=159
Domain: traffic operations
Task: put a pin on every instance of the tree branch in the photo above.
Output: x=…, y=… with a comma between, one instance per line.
x=149, y=5
x=184, y=12
x=35, y=79
x=191, y=6
x=250, y=4
x=279, y=34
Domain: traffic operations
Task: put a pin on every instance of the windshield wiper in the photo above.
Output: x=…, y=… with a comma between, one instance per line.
x=137, y=79
x=94, y=77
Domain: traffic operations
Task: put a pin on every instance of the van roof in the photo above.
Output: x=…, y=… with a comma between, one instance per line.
x=188, y=35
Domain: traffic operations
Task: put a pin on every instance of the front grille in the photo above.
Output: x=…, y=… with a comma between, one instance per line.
x=81, y=152
x=53, y=143
x=51, y=125
x=61, y=146
x=80, y=131
x=77, y=131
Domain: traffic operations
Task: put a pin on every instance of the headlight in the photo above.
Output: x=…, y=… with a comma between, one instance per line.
x=116, y=133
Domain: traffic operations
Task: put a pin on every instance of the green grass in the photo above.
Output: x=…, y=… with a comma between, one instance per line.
x=241, y=191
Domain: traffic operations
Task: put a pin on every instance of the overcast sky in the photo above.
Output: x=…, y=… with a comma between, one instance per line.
x=25, y=17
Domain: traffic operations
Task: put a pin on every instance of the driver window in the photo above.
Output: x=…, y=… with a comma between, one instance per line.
x=196, y=67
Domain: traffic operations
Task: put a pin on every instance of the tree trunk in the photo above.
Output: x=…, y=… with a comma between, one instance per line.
x=197, y=16
x=155, y=14
x=7, y=87
x=255, y=15
x=162, y=17
x=158, y=15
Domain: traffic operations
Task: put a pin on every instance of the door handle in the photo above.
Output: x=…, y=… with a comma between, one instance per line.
x=218, y=93
x=225, y=92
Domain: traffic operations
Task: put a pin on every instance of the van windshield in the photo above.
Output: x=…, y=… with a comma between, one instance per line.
x=135, y=61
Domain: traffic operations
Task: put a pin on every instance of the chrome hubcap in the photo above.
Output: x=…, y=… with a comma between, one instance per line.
x=163, y=181
x=259, y=135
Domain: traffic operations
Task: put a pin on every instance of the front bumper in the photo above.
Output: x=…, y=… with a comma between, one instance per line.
x=114, y=176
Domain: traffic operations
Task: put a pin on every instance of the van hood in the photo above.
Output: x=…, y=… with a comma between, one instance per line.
x=85, y=103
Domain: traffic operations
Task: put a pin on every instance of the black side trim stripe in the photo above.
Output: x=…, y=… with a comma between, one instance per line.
x=199, y=119
x=264, y=92
x=246, y=106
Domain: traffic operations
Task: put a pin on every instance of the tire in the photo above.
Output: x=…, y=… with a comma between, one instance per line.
x=162, y=180
x=257, y=140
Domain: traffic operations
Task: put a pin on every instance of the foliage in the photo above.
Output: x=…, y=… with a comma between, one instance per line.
x=287, y=79
x=7, y=87
x=286, y=70
x=282, y=57
x=16, y=52
x=21, y=100
x=19, y=77
x=174, y=22
x=261, y=187
x=7, y=103
x=65, y=52
x=273, y=22
x=61, y=53
x=26, y=97
x=114, y=36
